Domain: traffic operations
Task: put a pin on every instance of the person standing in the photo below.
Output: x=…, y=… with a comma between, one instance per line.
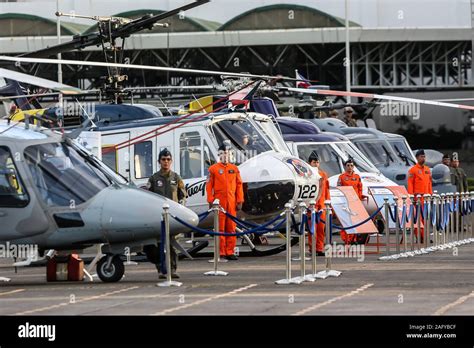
x=446, y=160
x=350, y=178
x=348, y=117
x=169, y=184
x=420, y=183
x=324, y=195
x=458, y=176
x=225, y=184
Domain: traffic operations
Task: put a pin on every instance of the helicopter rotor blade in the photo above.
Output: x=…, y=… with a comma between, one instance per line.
x=142, y=67
x=377, y=96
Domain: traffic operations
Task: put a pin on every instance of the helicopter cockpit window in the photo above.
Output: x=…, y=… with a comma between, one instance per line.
x=378, y=152
x=12, y=192
x=63, y=176
x=330, y=161
x=190, y=155
x=209, y=158
x=362, y=163
x=245, y=140
x=143, y=160
x=402, y=150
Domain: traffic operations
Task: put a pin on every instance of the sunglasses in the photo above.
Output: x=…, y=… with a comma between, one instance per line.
x=165, y=159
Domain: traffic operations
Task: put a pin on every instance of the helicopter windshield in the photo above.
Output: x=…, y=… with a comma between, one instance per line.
x=12, y=192
x=63, y=175
x=331, y=161
x=402, y=150
x=378, y=152
x=245, y=139
x=271, y=132
x=362, y=163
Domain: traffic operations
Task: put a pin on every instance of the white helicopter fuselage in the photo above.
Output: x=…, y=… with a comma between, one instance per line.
x=272, y=176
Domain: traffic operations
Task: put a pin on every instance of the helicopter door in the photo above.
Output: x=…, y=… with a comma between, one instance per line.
x=118, y=160
x=191, y=166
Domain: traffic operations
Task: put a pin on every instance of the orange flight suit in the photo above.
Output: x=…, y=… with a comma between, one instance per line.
x=225, y=184
x=354, y=181
x=320, y=228
x=419, y=183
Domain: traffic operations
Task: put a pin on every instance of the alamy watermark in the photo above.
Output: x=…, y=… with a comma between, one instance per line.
x=19, y=251
x=73, y=109
x=335, y=250
x=397, y=109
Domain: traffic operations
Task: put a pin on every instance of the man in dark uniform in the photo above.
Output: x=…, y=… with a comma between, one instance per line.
x=169, y=184
x=458, y=175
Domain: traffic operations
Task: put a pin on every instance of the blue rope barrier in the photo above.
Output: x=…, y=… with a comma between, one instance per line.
x=357, y=224
x=417, y=213
x=304, y=220
x=410, y=213
x=204, y=215
x=393, y=215
x=259, y=230
x=404, y=215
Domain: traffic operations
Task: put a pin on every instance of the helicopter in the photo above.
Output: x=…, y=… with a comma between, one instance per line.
x=56, y=195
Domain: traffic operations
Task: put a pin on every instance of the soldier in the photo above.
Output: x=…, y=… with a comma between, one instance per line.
x=458, y=176
x=224, y=183
x=350, y=178
x=446, y=160
x=169, y=184
x=348, y=117
x=323, y=196
x=420, y=182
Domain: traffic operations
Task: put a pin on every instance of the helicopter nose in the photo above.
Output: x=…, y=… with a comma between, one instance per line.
x=268, y=185
x=132, y=213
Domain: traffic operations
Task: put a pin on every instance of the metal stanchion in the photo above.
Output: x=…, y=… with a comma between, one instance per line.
x=312, y=208
x=288, y=279
x=405, y=240
x=217, y=258
x=427, y=223
x=166, y=219
x=418, y=225
x=328, y=228
x=387, y=228
x=412, y=225
x=462, y=196
x=443, y=230
x=451, y=220
x=302, y=243
x=298, y=213
x=436, y=200
x=456, y=195
x=471, y=217
x=397, y=226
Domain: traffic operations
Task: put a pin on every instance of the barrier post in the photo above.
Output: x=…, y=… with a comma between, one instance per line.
x=418, y=223
x=302, y=243
x=436, y=201
x=405, y=241
x=166, y=219
x=456, y=195
x=329, y=272
x=463, y=200
x=397, y=226
x=427, y=221
x=412, y=224
x=443, y=205
x=288, y=279
x=217, y=257
x=471, y=215
x=451, y=219
x=387, y=228
x=312, y=209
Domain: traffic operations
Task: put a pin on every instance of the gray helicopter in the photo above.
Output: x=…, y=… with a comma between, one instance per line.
x=55, y=195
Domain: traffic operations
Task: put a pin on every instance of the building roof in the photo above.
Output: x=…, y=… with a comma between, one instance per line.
x=283, y=16
x=20, y=24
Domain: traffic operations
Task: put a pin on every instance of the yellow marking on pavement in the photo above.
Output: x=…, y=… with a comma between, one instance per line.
x=459, y=301
x=11, y=292
x=196, y=303
x=325, y=303
x=90, y=298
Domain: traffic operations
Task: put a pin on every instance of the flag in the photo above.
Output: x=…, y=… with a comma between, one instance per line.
x=303, y=83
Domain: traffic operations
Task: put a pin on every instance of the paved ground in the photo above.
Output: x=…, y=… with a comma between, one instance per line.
x=439, y=283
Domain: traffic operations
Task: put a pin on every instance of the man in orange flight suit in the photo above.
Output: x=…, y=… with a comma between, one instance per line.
x=350, y=178
x=225, y=184
x=324, y=195
x=419, y=182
